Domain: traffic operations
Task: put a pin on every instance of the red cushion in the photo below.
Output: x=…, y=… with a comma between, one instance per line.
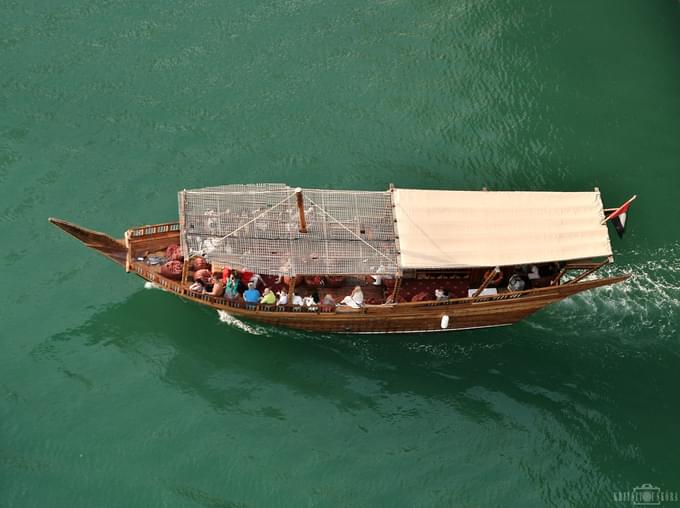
x=419, y=297
x=172, y=270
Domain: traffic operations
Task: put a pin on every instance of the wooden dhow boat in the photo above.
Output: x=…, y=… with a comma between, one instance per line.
x=425, y=260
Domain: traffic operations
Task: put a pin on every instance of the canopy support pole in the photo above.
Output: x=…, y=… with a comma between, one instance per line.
x=395, y=291
x=487, y=281
x=185, y=272
x=128, y=255
x=588, y=272
x=301, y=209
x=556, y=279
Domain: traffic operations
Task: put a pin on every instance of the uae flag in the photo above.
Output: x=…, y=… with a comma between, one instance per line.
x=618, y=217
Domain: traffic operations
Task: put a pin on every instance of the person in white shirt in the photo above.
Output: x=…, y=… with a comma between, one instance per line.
x=355, y=300
x=533, y=273
x=309, y=302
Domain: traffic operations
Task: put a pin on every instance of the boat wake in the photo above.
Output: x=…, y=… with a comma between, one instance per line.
x=649, y=302
x=237, y=323
x=223, y=316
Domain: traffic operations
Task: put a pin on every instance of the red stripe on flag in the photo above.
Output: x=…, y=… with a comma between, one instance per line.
x=622, y=209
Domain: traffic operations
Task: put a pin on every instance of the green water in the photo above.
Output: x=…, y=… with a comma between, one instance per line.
x=113, y=395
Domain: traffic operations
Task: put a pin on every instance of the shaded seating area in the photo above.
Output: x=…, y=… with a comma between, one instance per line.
x=306, y=287
x=413, y=289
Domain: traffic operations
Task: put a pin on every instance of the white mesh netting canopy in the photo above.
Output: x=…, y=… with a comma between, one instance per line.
x=256, y=227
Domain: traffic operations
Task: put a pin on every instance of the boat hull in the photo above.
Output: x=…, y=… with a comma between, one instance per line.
x=462, y=314
x=457, y=314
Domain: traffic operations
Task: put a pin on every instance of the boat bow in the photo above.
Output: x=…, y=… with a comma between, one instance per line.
x=110, y=247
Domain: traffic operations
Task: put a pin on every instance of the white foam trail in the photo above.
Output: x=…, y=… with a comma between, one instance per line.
x=648, y=302
x=224, y=317
x=450, y=350
x=237, y=323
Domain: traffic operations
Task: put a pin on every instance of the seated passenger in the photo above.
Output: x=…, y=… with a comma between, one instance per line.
x=355, y=300
x=516, y=283
x=441, y=295
x=202, y=275
x=268, y=297
x=297, y=299
x=533, y=273
x=226, y=272
x=256, y=279
x=251, y=295
x=328, y=300
x=197, y=287
x=309, y=302
x=283, y=297
x=208, y=283
x=217, y=288
x=231, y=287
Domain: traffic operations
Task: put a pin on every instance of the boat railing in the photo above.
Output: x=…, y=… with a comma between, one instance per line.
x=509, y=295
x=176, y=287
x=163, y=282
x=155, y=229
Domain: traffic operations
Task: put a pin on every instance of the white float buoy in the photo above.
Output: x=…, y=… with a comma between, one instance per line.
x=445, y=321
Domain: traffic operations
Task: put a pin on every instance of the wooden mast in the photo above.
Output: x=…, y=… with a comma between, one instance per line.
x=301, y=209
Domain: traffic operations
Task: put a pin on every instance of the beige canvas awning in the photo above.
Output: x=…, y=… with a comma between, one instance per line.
x=451, y=229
